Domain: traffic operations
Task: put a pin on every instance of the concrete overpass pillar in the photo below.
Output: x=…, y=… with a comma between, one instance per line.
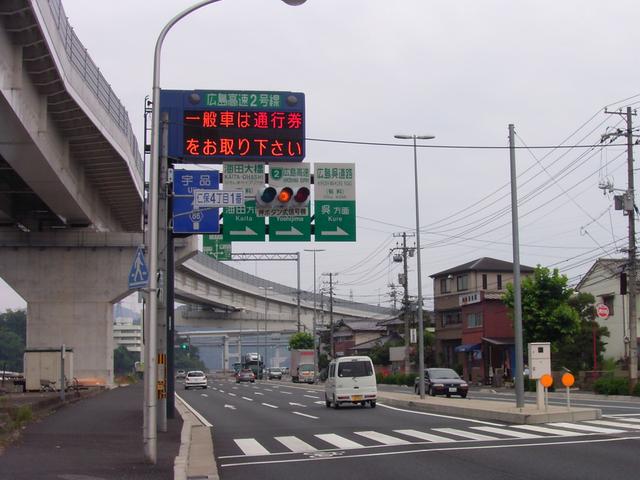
x=70, y=282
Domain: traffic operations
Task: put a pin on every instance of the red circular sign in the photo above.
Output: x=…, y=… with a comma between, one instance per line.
x=602, y=310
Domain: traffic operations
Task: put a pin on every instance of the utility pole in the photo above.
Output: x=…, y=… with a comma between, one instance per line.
x=331, y=343
x=404, y=281
x=629, y=207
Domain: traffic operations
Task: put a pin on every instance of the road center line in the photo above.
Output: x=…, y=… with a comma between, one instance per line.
x=269, y=405
x=248, y=399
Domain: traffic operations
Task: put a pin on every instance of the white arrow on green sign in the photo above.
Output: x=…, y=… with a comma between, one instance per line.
x=335, y=202
x=215, y=246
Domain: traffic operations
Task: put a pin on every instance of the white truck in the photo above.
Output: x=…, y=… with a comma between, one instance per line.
x=302, y=366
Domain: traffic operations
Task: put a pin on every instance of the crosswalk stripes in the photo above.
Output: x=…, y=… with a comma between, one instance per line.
x=295, y=444
x=465, y=434
x=400, y=437
x=508, y=433
x=607, y=423
x=585, y=428
x=549, y=431
x=338, y=441
x=382, y=438
x=429, y=437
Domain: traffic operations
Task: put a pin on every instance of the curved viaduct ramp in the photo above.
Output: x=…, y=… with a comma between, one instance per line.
x=231, y=298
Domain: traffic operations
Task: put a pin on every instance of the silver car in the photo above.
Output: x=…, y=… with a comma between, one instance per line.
x=195, y=379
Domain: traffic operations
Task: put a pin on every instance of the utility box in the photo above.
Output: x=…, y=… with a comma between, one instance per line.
x=539, y=359
x=42, y=367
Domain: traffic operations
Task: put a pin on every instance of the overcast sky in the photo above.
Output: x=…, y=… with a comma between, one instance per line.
x=459, y=70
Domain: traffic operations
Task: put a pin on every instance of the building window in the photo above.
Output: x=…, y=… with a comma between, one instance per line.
x=451, y=318
x=608, y=301
x=499, y=278
x=474, y=320
x=462, y=282
x=484, y=281
x=444, y=286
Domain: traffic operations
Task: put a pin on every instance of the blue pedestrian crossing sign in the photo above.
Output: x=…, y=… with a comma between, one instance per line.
x=139, y=274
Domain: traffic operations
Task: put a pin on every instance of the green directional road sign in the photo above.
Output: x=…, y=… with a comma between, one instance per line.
x=241, y=224
x=335, y=202
x=290, y=228
x=215, y=246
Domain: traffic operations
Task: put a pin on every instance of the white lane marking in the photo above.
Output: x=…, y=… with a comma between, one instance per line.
x=204, y=395
x=193, y=410
x=305, y=415
x=338, y=441
x=286, y=393
x=550, y=431
x=508, y=433
x=229, y=406
x=440, y=416
x=615, y=424
x=250, y=446
x=625, y=415
x=232, y=394
x=584, y=428
x=234, y=388
x=221, y=391
x=269, y=405
x=295, y=444
x=465, y=434
x=320, y=402
x=382, y=438
x=310, y=396
x=214, y=388
x=424, y=436
x=297, y=404
x=310, y=391
x=248, y=399
x=429, y=450
x=268, y=390
x=258, y=393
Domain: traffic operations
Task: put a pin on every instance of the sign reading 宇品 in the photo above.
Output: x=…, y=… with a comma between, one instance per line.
x=187, y=216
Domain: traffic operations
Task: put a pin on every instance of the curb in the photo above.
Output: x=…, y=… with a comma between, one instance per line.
x=195, y=458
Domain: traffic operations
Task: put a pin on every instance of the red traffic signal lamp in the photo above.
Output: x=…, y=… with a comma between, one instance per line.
x=294, y=196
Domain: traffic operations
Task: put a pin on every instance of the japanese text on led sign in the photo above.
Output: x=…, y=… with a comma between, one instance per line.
x=221, y=133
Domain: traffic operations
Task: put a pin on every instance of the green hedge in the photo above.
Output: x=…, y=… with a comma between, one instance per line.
x=397, y=379
x=612, y=386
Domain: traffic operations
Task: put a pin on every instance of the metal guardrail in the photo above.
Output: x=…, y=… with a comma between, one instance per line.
x=80, y=59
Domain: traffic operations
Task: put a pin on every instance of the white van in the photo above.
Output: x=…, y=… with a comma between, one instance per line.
x=351, y=380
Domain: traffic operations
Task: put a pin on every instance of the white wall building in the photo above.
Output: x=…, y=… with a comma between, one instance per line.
x=603, y=282
x=128, y=335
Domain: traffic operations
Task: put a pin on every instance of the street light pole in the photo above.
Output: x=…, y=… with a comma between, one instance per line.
x=418, y=258
x=151, y=370
x=315, y=342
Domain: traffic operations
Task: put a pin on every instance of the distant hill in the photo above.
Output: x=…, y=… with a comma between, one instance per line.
x=120, y=310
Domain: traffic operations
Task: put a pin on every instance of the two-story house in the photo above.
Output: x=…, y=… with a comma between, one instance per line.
x=603, y=281
x=473, y=327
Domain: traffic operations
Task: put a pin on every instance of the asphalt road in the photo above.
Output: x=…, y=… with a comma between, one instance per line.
x=280, y=430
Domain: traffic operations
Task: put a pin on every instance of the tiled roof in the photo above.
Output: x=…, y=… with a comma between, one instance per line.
x=485, y=264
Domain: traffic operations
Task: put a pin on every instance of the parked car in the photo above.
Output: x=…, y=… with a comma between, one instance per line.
x=442, y=381
x=181, y=374
x=245, y=375
x=274, y=372
x=195, y=379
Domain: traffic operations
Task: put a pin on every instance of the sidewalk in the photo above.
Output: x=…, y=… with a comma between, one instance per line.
x=98, y=438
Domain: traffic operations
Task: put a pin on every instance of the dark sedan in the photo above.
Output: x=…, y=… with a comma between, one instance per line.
x=442, y=381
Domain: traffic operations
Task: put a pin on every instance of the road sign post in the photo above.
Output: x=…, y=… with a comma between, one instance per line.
x=335, y=202
x=290, y=228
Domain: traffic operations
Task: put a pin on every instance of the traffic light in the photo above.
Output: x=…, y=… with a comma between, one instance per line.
x=184, y=346
x=283, y=197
